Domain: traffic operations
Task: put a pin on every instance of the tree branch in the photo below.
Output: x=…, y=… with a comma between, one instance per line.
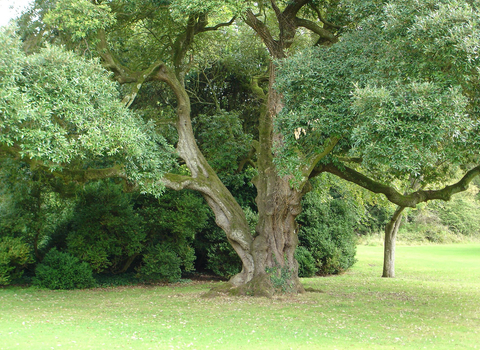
x=320, y=17
x=247, y=160
x=409, y=200
x=329, y=146
x=179, y=182
x=322, y=32
x=220, y=25
x=68, y=174
x=293, y=7
x=261, y=29
x=121, y=73
x=275, y=8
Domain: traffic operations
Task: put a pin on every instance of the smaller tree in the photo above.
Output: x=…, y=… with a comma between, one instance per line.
x=388, y=105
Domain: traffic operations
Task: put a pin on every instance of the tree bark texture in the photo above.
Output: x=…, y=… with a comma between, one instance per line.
x=278, y=206
x=229, y=215
x=391, y=230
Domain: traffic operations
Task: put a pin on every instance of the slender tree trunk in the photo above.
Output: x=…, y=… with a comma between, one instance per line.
x=391, y=230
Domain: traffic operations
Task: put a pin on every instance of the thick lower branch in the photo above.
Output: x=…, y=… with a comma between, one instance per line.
x=409, y=200
x=322, y=32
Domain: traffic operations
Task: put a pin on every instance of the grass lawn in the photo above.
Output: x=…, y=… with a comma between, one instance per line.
x=434, y=303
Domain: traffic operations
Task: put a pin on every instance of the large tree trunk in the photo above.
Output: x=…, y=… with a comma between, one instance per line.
x=268, y=260
x=276, y=269
x=278, y=206
x=391, y=230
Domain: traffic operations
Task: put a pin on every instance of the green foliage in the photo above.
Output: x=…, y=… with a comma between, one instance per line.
x=58, y=108
x=80, y=18
x=222, y=259
x=60, y=270
x=224, y=143
x=327, y=231
x=181, y=9
x=160, y=263
x=105, y=230
x=15, y=254
x=460, y=215
x=414, y=100
x=306, y=262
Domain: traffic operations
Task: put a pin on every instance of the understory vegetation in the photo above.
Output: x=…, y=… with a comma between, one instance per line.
x=456, y=221
x=122, y=238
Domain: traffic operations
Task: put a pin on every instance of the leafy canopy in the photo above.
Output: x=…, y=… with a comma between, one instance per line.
x=63, y=110
x=399, y=91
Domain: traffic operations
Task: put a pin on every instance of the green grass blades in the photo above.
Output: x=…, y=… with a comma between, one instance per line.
x=434, y=303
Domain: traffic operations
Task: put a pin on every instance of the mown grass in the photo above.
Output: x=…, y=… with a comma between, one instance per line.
x=434, y=303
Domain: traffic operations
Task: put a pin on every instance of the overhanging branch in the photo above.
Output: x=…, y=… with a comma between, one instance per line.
x=409, y=200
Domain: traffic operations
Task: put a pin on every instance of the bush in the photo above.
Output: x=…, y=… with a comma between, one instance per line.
x=60, y=270
x=14, y=256
x=215, y=252
x=160, y=263
x=223, y=260
x=306, y=262
x=106, y=232
x=327, y=231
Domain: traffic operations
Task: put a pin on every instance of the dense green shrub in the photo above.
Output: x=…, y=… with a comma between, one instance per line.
x=15, y=254
x=33, y=204
x=160, y=263
x=173, y=220
x=306, y=262
x=223, y=260
x=461, y=215
x=327, y=231
x=60, y=270
x=106, y=232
